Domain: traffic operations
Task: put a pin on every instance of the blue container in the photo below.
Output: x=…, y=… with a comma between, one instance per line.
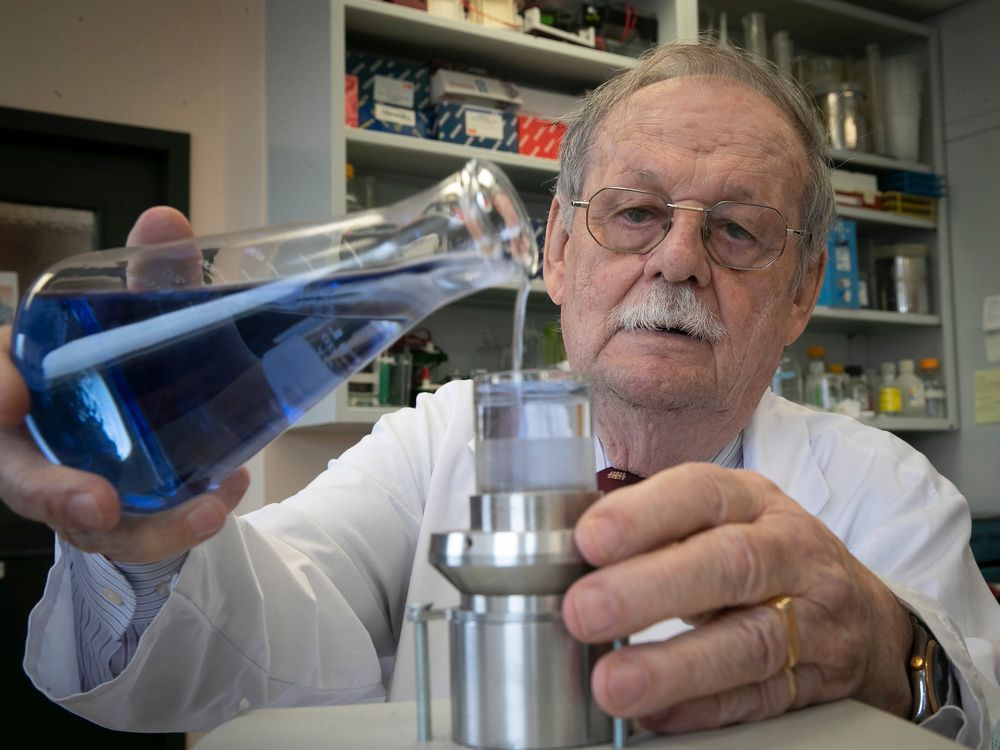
x=840, y=282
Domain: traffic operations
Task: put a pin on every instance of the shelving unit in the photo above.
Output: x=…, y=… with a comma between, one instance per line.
x=308, y=149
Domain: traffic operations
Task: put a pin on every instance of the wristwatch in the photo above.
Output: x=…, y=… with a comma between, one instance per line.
x=930, y=674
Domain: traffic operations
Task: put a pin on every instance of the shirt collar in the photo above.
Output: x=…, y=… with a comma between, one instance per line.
x=730, y=457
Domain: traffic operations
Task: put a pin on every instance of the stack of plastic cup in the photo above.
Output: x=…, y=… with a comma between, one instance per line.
x=902, y=80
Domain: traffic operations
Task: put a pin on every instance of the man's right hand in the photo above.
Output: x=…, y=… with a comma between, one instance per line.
x=84, y=508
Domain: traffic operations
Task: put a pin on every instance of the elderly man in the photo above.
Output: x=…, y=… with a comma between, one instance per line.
x=685, y=249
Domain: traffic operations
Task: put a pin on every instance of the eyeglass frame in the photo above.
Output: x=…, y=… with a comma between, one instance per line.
x=581, y=203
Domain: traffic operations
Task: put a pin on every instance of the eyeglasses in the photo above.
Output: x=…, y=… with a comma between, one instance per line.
x=743, y=236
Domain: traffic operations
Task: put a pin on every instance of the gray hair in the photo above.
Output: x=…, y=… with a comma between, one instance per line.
x=707, y=58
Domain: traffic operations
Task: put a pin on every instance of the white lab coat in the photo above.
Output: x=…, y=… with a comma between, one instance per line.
x=303, y=602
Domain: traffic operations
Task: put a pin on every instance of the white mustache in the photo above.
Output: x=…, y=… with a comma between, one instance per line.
x=663, y=307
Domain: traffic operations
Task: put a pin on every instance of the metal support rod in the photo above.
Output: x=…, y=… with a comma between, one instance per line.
x=417, y=613
x=619, y=726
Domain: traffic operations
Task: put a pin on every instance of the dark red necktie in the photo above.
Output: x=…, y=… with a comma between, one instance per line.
x=611, y=479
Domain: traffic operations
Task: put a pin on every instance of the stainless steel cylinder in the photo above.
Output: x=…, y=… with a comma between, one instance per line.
x=518, y=679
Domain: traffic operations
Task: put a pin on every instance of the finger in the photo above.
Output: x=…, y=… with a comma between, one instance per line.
x=761, y=700
x=668, y=507
x=737, y=648
x=56, y=495
x=162, y=266
x=149, y=538
x=159, y=224
x=14, y=398
x=723, y=567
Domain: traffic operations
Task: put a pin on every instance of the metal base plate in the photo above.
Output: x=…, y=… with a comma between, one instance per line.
x=393, y=726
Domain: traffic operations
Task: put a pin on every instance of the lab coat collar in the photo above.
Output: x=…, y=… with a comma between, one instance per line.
x=777, y=444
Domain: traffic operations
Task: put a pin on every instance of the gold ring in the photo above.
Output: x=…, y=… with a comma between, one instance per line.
x=793, y=685
x=786, y=608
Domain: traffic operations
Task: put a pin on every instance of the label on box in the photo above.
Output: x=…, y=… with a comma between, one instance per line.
x=393, y=91
x=483, y=125
x=842, y=258
x=396, y=115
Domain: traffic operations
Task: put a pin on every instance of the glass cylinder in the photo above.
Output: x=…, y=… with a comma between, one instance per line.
x=165, y=368
x=755, y=33
x=533, y=432
x=783, y=51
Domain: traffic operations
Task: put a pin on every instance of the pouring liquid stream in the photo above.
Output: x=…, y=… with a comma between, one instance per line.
x=520, y=311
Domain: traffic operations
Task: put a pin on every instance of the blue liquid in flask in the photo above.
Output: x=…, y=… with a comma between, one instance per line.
x=165, y=393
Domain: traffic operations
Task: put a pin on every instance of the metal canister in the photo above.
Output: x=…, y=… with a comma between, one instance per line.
x=901, y=278
x=845, y=113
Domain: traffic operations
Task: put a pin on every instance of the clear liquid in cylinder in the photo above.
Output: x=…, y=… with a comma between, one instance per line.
x=169, y=420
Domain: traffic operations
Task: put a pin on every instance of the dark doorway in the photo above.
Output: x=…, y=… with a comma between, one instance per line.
x=67, y=185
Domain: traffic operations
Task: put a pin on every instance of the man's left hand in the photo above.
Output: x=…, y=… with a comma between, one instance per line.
x=714, y=546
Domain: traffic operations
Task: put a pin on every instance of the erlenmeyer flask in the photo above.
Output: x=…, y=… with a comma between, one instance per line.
x=165, y=368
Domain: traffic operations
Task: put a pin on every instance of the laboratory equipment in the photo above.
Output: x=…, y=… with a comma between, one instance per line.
x=911, y=389
x=518, y=679
x=934, y=390
x=165, y=368
x=787, y=380
x=890, y=398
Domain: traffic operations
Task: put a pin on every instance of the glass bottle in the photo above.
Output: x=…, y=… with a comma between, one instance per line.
x=934, y=391
x=838, y=382
x=787, y=381
x=911, y=389
x=165, y=368
x=858, y=388
x=890, y=400
x=351, y=197
x=817, y=385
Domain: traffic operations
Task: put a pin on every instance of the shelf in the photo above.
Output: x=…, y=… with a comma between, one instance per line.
x=826, y=26
x=837, y=320
x=424, y=157
x=911, y=424
x=542, y=62
x=874, y=216
x=333, y=411
x=854, y=159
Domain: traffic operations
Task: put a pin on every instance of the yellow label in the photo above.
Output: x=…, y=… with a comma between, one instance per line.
x=890, y=400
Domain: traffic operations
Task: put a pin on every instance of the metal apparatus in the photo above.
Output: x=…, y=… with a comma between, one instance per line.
x=518, y=679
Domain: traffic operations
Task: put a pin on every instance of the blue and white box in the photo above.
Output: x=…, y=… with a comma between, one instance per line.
x=840, y=282
x=393, y=95
x=469, y=125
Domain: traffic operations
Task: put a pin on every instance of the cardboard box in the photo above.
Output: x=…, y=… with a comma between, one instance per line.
x=476, y=126
x=539, y=137
x=465, y=88
x=546, y=104
x=840, y=281
x=390, y=119
x=351, y=101
x=387, y=80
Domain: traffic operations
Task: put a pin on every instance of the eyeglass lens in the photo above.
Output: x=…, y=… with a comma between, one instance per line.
x=736, y=234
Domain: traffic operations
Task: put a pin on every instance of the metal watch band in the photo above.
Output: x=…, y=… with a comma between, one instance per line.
x=928, y=670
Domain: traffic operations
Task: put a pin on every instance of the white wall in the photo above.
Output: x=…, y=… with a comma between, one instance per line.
x=971, y=68
x=195, y=66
